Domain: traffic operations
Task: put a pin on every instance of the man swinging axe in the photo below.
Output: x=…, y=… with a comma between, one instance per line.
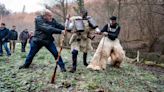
x=45, y=27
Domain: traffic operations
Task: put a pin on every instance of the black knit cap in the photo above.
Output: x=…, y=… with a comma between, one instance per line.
x=113, y=18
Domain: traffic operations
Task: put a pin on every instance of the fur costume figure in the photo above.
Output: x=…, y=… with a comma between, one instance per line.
x=109, y=48
x=81, y=26
x=108, y=52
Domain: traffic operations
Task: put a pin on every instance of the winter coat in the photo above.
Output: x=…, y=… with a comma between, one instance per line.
x=44, y=30
x=4, y=35
x=13, y=35
x=24, y=35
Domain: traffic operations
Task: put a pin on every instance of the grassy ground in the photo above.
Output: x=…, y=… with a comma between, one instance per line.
x=130, y=78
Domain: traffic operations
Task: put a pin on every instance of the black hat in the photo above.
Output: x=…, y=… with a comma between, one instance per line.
x=113, y=18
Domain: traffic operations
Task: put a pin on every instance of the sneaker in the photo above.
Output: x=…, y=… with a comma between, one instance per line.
x=9, y=55
x=63, y=70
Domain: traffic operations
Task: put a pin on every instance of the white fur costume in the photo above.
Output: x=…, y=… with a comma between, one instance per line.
x=104, y=54
x=85, y=44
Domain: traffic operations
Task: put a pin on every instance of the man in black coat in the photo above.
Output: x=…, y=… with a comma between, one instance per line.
x=23, y=37
x=13, y=37
x=45, y=27
x=4, y=39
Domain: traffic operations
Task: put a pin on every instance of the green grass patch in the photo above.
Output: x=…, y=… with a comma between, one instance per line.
x=129, y=78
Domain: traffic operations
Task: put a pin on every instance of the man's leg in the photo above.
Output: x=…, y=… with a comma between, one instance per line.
x=7, y=49
x=1, y=50
x=14, y=46
x=52, y=48
x=85, y=58
x=34, y=48
x=22, y=43
x=10, y=45
x=25, y=46
x=74, y=60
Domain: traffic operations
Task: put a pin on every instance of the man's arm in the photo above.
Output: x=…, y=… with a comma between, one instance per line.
x=104, y=28
x=118, y=30
x=59, y=26
x=48, y=29
x=20, y=36
x=16, y=35
x=7, y=35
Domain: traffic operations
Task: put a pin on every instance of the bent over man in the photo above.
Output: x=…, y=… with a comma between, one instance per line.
x=109, y=48
x=45, y=26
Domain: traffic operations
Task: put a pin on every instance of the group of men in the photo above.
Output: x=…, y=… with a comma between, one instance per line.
x=81, y=28
x=11, y=36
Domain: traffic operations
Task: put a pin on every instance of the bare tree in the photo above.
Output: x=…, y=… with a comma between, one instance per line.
x=3, y=10
x=60, y=9
x=80, y=4
x=119, y=10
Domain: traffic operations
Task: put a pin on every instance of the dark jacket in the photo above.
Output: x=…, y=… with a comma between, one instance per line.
x=4, y=35
x=24, y=35
x=112, y=34
x=44, y=30
x=13, y=35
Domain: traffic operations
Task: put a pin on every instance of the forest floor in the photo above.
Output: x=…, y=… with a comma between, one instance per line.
x=129, y=78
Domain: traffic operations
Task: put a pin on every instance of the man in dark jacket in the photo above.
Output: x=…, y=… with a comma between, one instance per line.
x=4, y=39
x=23, y=37
x=13, y=37
x=45, y=26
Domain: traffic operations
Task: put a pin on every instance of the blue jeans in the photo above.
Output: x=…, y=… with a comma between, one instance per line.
x=35, y=47
x=6, y=48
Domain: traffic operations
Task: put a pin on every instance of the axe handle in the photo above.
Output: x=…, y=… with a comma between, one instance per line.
x=53, y=79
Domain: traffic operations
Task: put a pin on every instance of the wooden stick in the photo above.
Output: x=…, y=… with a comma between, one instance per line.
x=53, y=79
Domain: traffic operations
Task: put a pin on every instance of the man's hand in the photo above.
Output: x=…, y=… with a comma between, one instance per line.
x=63, y=32
x=97, y=32
x=105, y=33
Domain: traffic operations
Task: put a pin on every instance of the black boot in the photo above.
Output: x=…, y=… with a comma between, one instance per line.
x=73, y=69
x=85, y=59
x=74, y=64
x=63, y=70
x=74, y=61
x=23, y=66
